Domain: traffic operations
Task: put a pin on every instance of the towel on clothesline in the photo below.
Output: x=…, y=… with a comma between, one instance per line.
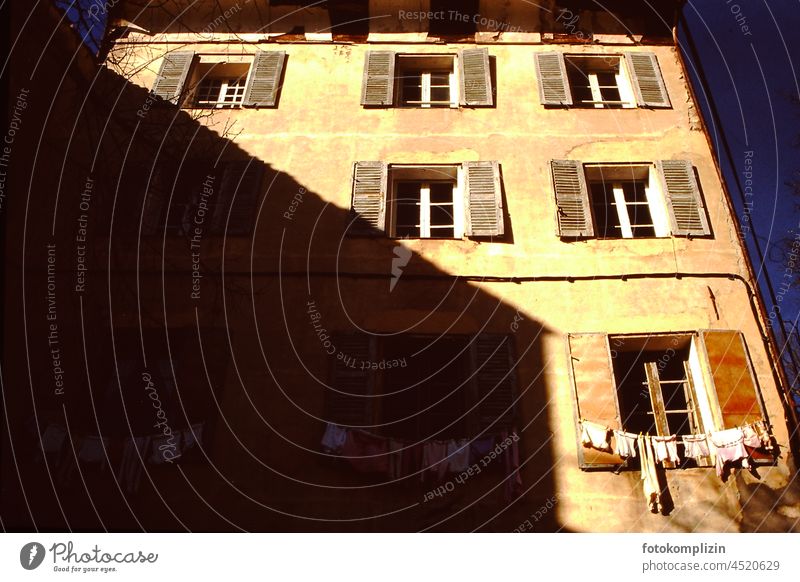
x=665, y=448
x=595, y=435
x=624, y=444
x=729, y=448
x=695, y=446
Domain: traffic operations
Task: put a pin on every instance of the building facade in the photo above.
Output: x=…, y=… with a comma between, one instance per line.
x=380, y=266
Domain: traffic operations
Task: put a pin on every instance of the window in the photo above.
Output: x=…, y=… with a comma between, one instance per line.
x=427, y=80
x=662, y=384
x=628, y=200
x=594, y=81
x=435, y=201
x=419, y=387
x=426, y=203
x=213, y=81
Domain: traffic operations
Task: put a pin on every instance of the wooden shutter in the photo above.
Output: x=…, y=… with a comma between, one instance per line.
x=572, y=199
x=648, y=84
x=553, y=81
x=265, y=79
x=347, y=400
x=476, y=78
x=377, y=87
x=368, y=207
x=494, y=379
x=595, y=393
x=238, y=197
x=732, y=374
x=172, y=75
x=484, y=199
x=682, y=195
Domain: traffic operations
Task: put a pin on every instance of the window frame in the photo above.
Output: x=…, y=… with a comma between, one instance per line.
x=407, y=171
x=201, y=73
x=622, y=76
x=417, y=70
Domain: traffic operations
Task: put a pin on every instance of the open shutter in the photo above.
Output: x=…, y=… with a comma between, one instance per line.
x=264, y=80
x=682, y=195
x=595, y=393
x=172, y=75
x=476, y=78
x=238, y=197
x=494, y=378
x=572, y=199
x=347, y=400
x=553, y=81
x=377, y=87
x=484, y=199
x=732, y=374
x=368, y=207
x=648, y=84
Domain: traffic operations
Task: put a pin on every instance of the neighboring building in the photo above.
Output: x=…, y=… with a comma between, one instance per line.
x=497, y=219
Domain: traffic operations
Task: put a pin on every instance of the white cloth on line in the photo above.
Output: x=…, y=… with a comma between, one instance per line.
x=595, y=435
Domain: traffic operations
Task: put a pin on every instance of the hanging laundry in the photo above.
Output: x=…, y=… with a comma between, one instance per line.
x=729, y=445
x=164, y=449
x=666, y=449
x=695, y=446
x=595, y=435
x=93, y=450
x=479, y=448
x=751, y=438
x=762, y=430
x=411, y=459
x=333, y=439
x=458, y=456
x=365, y=452
x=650, y=486
x=434, y=459
x=192, y=436
x=130, y=468
x=624, y=444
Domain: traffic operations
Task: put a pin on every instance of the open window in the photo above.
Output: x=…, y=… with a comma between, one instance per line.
x=662, y=384
x=427, y=80
x=601, y=81
x=426, y=201
x=193, y=80
x=418, y=387
x=628, y=200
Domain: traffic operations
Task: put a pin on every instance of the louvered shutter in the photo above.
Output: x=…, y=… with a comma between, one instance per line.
x=595, y=393
x=377, y=87
x=347, y=400
x=172, y=75
x=484, y=199
x=682, y=195
x=572, y=199
x=553, y=81
x=368, y=207
x=476, y=78
x=648, y=84
x=238, y=198
x=493, y=367
x=732, y=374
x=265, y=79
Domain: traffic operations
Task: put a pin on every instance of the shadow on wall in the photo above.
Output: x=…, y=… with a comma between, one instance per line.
x=180, y=344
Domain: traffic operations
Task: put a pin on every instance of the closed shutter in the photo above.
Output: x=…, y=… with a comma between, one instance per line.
x=595, y=393
x=682, y=195
x=494, y=378
x=484, y=199
x=572, y=199
x=648, y=84
x=377, y=87
x=238, y=198
x=172, y=75
x=264, y=80
x=153, y=210
x=476, y=78
x=348, y=400
x=732, y=374
x=368, y=207
x=553, y=82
